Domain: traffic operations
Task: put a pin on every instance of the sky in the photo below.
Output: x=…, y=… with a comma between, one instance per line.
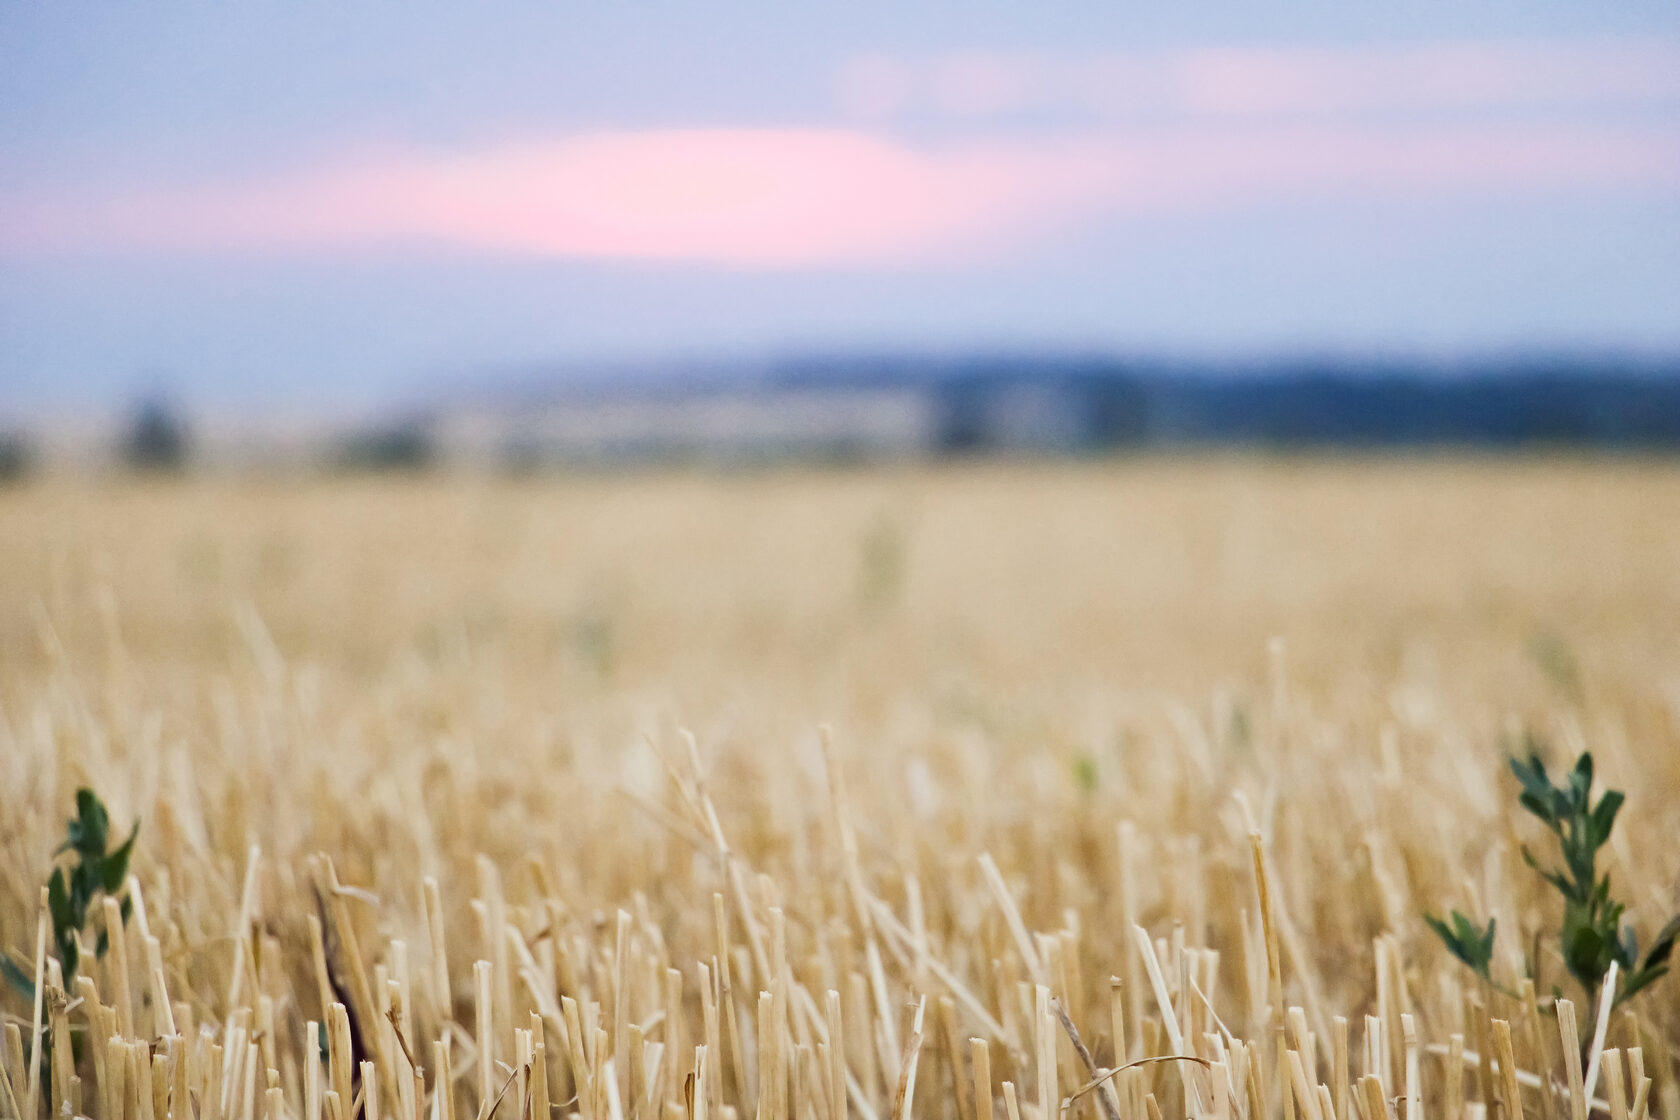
x=310, y=208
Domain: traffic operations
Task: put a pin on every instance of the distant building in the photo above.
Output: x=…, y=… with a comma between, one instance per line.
x=714, y=424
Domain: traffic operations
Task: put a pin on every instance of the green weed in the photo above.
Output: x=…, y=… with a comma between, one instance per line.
x=1591, y=936
x=94, y=870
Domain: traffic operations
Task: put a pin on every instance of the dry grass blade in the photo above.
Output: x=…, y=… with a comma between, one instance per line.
x=1091, y=1085
x=1109, y=1108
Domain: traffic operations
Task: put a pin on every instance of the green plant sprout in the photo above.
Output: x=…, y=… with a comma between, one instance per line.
x=95, y=870
x=1592, y=936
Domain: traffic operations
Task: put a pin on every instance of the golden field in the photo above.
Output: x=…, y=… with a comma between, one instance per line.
x=823, y=794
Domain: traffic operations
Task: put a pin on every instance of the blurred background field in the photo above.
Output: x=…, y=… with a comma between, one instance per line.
x=1150, y=572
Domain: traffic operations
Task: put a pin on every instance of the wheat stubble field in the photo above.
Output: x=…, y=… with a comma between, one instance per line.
x=836, y=794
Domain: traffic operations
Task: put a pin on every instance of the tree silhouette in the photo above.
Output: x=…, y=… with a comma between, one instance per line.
x=156, y=439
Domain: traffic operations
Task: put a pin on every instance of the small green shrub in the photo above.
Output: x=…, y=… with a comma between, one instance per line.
x=1592, y=936
x=94, y=870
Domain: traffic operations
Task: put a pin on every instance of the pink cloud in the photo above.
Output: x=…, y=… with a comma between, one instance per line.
x=1256, y=82
x=831, y=197
x=739, y=196
x=1437, y=76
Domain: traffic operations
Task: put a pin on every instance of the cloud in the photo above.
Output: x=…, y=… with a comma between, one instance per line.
x=826, y=198
x=1266, y=82
x=735, y=196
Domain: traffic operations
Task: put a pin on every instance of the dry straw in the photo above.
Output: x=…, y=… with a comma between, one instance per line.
x=412, y=848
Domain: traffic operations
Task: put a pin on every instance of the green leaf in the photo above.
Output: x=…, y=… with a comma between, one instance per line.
x=1644, y=978
x=1664, y=944
x=1531, y=773
x=91, y=830
x=81, y=893
x=1537, y=788
x=1580, y=780
x=1465, y=941
x=58, y=904
x=1540, y=805
x=113, y=870
x=1604, y=817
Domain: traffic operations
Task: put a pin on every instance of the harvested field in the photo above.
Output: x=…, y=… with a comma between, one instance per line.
x=821, y=795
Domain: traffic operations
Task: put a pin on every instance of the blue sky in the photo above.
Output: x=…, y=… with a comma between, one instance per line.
x=312, y=208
